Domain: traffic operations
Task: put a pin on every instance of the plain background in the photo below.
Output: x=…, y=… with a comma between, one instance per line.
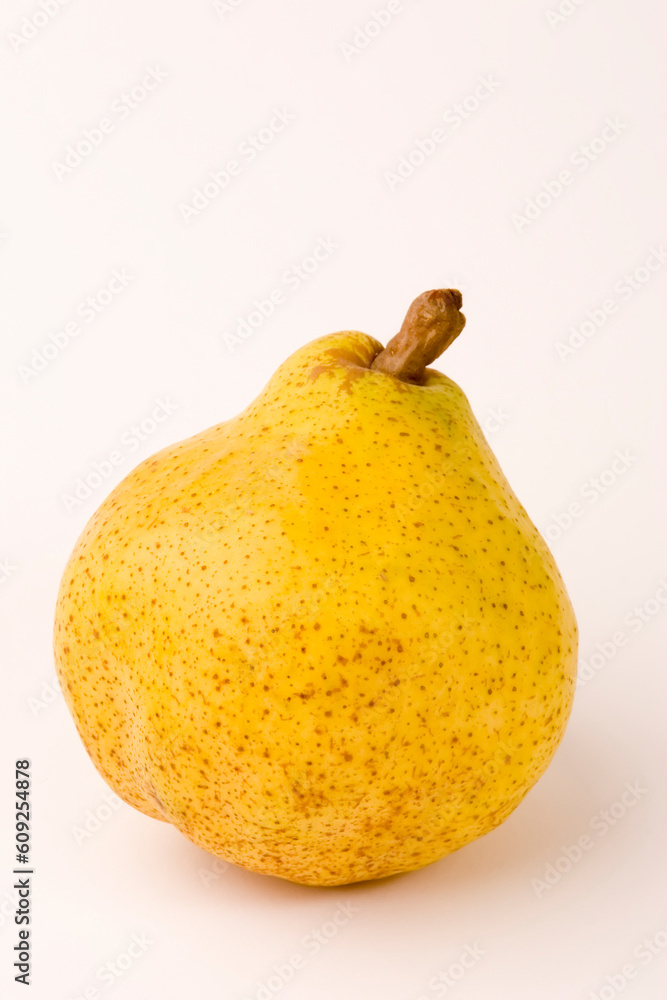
x=538, y=93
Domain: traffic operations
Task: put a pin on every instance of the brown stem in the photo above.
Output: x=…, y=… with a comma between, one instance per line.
x=432, y=323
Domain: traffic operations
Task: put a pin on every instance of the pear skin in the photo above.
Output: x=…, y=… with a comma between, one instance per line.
x=323, y=639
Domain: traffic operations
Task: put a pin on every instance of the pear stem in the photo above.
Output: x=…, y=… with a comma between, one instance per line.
x=432, y=323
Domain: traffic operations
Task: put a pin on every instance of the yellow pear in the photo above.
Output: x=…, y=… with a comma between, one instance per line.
x=323, y=638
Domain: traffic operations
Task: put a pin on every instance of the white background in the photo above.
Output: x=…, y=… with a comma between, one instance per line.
x=555, y=419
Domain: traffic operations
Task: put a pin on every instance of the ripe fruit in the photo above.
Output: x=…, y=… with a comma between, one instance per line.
x=323, y=639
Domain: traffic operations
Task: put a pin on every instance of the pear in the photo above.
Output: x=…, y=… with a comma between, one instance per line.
x=323, y=639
